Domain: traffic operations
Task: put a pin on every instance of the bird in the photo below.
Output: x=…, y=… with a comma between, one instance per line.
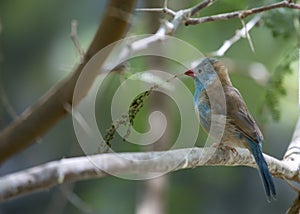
x=241, y=129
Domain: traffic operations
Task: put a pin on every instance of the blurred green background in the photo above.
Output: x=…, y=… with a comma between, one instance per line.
x=36, y=52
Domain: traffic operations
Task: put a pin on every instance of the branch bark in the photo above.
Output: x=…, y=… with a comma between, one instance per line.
x=53, y=173
x=50, y=108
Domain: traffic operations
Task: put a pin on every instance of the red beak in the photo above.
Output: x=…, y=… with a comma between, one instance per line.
x=190, y=73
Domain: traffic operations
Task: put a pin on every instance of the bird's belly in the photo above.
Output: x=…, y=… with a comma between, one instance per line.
x=233, y=138
x=229, y=134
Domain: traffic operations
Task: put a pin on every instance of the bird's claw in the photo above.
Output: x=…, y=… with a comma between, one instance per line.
x=225, y=147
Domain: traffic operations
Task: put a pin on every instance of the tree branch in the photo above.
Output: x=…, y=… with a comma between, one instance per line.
x=242, y=13
x=292, y=155
x=53, y=173
x=42, y=115
x=168, y=28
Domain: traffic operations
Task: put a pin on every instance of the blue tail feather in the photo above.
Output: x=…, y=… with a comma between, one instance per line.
x=263, y=169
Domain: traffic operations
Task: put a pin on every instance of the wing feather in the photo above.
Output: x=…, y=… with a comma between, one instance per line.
x=238, y=112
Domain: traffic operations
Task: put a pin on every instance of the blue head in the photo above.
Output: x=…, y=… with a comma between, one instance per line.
x=206, y=72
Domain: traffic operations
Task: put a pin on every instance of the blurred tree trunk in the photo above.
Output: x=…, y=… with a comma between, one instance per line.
x=153, y=194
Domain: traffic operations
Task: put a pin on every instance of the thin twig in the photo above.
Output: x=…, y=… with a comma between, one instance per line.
x=293, y=186
x=6, y=103
x=247, y=35
x=166, y=3
x=74, y=199
x=162, y=10
x=75, y=39
x=200, y=6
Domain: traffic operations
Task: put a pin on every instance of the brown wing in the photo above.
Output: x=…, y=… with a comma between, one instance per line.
x=239, y=115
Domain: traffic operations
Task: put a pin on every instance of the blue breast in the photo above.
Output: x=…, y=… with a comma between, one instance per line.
x=202, y=107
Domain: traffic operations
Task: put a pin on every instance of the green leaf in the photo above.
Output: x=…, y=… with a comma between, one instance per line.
x=281, y=22
x=275, y=87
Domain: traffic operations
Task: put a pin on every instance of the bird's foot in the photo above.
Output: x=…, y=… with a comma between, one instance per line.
x=225, y=147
